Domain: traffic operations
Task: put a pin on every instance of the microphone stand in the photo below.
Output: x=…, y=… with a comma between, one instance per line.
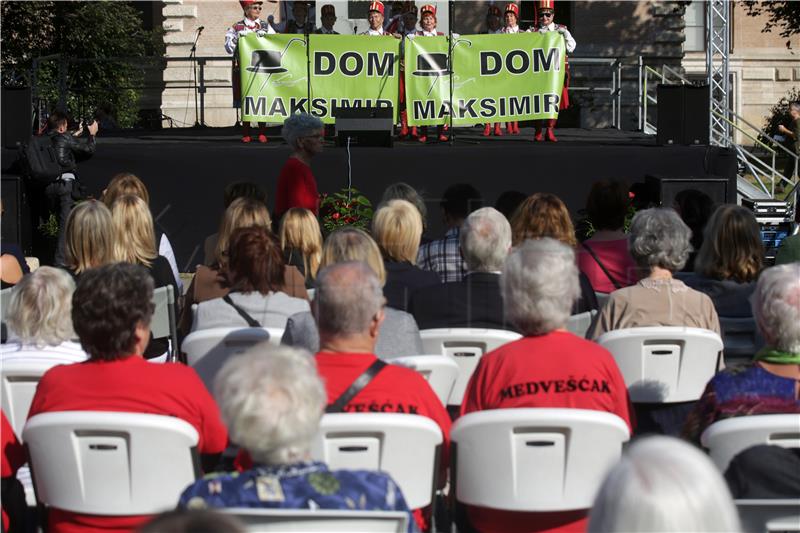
x=306, y=32
x=193, y=61
x=450, y=9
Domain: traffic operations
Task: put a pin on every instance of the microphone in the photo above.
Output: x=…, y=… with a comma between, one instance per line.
x=355, y=30
x=200, y=29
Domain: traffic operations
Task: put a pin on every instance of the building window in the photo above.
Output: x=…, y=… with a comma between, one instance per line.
x=695, y=29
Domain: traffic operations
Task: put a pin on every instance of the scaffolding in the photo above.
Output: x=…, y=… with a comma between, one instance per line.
x=718, y=46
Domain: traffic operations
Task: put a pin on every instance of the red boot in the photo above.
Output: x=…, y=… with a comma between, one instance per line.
x=516, y=128
x=487, y=130
x=538, y=137
x=403, y=124
x=423, y=134
x=440, y=133
x=550, y=135
x=510, y=128
x=246, y=132
x=413, y=132
x=497, y=131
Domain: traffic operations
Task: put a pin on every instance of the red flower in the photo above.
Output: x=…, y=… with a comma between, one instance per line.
x=336, y=216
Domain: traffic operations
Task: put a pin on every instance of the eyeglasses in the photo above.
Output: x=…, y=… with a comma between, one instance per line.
x=545, y=14
x=257, y=8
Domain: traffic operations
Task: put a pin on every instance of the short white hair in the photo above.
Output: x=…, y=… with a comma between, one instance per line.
x=663, y=484
x=348, y=297
x=776, y=306
x=539, y=284
x=299, y=125
x=485, y=240
x=271, y=399
x=658, y=237
x=40, y=309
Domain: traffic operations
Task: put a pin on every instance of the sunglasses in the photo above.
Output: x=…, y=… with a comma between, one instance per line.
x=545, y=14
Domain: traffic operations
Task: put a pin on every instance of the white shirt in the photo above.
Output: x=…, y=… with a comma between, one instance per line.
x=64, y=353
x=232, y=36
x=372, y=32
x=568, y=40
x=510, y=29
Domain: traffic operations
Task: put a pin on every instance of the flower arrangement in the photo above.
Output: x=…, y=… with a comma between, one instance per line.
x=347, y=207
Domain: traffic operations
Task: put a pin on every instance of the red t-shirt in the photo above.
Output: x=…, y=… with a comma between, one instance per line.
x=296, y=188
x=558, y=369
x=13, y=456
x=128, y=385
x=616, y=259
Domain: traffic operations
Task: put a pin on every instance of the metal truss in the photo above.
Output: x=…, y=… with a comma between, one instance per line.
x=718, y=46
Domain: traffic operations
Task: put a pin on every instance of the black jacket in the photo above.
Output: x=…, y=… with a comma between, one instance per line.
x=68, y=146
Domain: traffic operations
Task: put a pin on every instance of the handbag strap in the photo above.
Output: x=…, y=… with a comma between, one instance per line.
x=252, y=322
x=356, y=387
x=616, y=284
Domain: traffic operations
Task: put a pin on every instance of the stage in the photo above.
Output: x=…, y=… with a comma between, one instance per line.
x=187, y=170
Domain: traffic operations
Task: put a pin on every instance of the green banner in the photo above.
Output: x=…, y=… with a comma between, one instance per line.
x=495, y=78
x=346, y=71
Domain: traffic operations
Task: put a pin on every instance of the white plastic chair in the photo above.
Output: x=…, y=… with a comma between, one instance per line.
x=440, y=371
x=407, y=447
x=534, y=459
x=664, y=364
x=726, y=438
x=579, y=324
x=320, y=520
x=769, y=516
x=111, y=463
x=465, y=346
x=208, y=349
x=163, y=324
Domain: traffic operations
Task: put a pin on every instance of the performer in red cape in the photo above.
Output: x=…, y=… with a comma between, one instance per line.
x=512, y=26
x=427, y=20
x=493, y=26
x=249, y=24
x=545, y=13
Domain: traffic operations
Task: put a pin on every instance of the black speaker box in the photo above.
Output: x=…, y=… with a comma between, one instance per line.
x=682, y=114
x=16, y=225
x=364, y=126
x=17, y=123
x=664, y=189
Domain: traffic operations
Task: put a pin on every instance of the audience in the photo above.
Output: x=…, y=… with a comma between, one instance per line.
x=545, y=215
x=730, y=260
x=397, y=227
x=239, y=189
x=111, y=312
x=12, y=261
x=443, y=256
x=404, y=191
x=89, y=237
x=604, y=258
x=475, y=301
x=768, y=384
x=764, y=472
x=659, y=244
x=695, y=208
x=39, y=317
x=301, y=242
x=666, y=485
x=255, y=275
x=548, y=367
x=278, y=440
x=193, y=521
x=508, y=202
x=399, y=334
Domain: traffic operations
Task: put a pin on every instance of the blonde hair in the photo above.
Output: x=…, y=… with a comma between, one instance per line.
x=353, y=244
x=300, y=230
x=397, y=227
x=122, y=184
x=242, y=213
x=732, y=246
x=89, y=236
x=40, y=309
x=135, y=238
x=542, y=215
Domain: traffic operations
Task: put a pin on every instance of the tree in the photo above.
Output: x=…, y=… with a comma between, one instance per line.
x=783, y=15
x=28, y=29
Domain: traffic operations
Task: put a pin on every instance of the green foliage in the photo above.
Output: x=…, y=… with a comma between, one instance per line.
x=104, y=36
x=779, y=114
x=49, y=227
x=347, y=207
x=783, y=14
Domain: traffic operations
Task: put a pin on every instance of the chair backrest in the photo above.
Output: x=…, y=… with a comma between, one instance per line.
x=741, y=337
x=465, y=346
x=163, y=324
x=208, y=349
x=579, y=324
x=769, y=516
x=726, y=438
x=320, y=520
x=110, y=463
x=602, y=298
x=407, y=447
x=534, y=459
x=440, y=371
x=20, y=377
x=664, y=364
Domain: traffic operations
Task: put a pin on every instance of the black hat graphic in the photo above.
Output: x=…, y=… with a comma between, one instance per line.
x=432, y=65
x=266, y=62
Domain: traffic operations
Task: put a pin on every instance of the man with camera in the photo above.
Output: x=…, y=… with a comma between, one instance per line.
x=62, y=193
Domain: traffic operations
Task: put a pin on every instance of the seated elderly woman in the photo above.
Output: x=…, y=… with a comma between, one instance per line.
x=296, y=184
x=659, y=244
x=40, y=320
x=768, y=384
x=255, y=275
x=278, y=439
x=399, y=334
x=397, y=227
x=663, y=484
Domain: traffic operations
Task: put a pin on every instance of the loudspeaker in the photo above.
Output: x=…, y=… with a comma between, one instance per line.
x=364, y=126
x=682, y=114
x=663, y=190
x=16, y=227
x=17, y=123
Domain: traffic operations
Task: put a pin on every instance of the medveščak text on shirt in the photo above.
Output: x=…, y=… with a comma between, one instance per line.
x=556, y=386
